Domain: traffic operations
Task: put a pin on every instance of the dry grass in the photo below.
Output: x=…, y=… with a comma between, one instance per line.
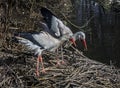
x=17, y=69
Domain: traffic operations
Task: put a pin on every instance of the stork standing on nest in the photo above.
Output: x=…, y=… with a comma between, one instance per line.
x=39, y=42
x=57, y=29
x=55, y=26
x=78, y=35
x=56, y=33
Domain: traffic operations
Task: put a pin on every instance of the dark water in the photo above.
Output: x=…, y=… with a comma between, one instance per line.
x=103, y=39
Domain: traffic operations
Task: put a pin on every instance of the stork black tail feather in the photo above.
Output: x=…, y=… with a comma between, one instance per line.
x=14, y=39
x=16, y=34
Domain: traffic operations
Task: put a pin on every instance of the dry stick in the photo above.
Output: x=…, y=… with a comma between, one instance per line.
x=54, y=69
x=70, y=45
x=14, y=28
x=68, y=80
x=16, y=76
x=76, y=71
x=96, y=85
x=75, y=83
x=62, y=52
x=78, y=27
x=78, y=51
x=5, y=80
x=68, y=85
x=48, y=53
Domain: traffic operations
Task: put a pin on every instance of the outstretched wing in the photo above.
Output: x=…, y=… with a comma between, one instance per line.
x=42, y=40
x=56, y=26
x=30, y=45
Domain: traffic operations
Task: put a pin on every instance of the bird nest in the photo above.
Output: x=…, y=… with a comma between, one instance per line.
x=17, y=70
x=17, y=65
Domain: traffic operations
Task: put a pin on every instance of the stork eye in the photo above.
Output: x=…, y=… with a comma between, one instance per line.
x=80, y=36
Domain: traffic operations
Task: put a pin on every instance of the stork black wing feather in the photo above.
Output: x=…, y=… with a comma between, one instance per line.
x=47, y=14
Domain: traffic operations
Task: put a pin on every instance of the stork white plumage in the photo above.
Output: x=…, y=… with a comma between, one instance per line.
x=39, y=42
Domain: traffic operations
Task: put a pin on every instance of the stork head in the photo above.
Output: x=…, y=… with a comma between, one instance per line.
x=81, y=36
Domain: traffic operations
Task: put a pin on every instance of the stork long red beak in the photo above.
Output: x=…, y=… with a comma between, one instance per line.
x=73, y=41
x=84, y=43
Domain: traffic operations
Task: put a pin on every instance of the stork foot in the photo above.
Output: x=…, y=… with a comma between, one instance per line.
x=43, y=71
x=58, y=63
x=63, y=62
x=37, y=73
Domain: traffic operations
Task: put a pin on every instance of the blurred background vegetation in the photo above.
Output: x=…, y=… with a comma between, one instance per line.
x=99, y=19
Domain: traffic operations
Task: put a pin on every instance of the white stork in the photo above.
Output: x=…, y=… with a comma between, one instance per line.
x=39, y=42
x=57, y=29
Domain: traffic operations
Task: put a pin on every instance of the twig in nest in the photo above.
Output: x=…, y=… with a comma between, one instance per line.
x=78, y=51
x=5, y=80
x=15, y=75
x=54, y=69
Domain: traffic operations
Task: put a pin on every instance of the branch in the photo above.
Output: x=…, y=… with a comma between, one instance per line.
x=78, y=27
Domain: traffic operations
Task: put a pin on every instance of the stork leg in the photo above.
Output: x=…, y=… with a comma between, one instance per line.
x=58, y=61
x=41, y=60
x=62, y=55
x=37, y=67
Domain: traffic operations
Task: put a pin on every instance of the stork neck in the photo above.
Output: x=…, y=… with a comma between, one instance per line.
x=75, y=36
